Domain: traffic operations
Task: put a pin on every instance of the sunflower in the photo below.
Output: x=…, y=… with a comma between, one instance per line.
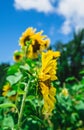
x=6, y=89
x=49, y=65
x=26, y=36
x=48, y=74
x=17, y=56
x=38, y=42
x=40, y=39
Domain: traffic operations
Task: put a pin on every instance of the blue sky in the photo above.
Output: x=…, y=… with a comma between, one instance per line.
x=57, y=18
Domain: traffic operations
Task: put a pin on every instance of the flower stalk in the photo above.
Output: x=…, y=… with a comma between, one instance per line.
x=22, y=106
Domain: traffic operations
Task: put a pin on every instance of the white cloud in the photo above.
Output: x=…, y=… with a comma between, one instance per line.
x=39, y=5
x=66, y=27
x=73, y=12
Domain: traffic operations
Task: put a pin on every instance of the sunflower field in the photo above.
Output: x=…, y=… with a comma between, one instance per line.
x=35, y=93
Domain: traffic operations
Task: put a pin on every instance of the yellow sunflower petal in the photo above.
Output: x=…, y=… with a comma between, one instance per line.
x=26, y=36
x=6, y=87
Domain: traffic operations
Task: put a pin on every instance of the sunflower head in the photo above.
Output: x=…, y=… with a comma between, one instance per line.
x=17, y=56
x=26, y=36
x=49, y=65
x=46, y=75
x=34, y=41
x=41, y=40
x=6, y=88
x=39, y=43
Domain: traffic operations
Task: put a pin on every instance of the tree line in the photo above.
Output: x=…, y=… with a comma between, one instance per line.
x=71, y=61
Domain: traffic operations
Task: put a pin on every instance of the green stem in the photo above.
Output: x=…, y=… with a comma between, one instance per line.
x=22, y=105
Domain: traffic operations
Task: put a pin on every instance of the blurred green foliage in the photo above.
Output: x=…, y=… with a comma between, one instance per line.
x=67, y=115
x=3, y=70
x=71, y=61
x=69, y=111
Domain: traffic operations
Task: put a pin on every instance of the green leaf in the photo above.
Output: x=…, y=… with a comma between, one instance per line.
x=32, y=103
x=20, y=91
x=8, y=122
x=25, y=67
x=77, y=87
x=14, y=78
x=30, y=97
x=4, y=105
x=82, y=81
x=34, y=122
x=80, y=105
x=10, y=93
x=74, y=117
x=35, y=118
x=70, y=79
x=81, y=72
x=31, y=62
x=13, y=69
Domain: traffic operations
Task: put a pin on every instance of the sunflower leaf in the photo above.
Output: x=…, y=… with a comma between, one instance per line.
x=14, y=78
